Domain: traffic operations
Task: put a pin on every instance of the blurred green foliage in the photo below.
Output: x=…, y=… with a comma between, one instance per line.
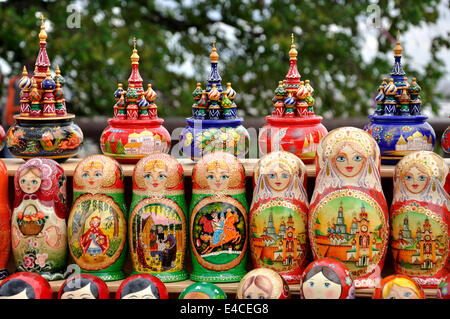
x=253, y=41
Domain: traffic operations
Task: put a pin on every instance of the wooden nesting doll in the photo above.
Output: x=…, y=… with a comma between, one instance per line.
x=25, y=285
x=398, y=287
x=348, y=216
x=279, y=215
x=83, y=286
x=38, y=223
x=262, y=283
x=142, y=286
x=5, y=222
x=97, y=222
x=202, y=290
x=420, y=218
x=218, y=219
x=157, y=223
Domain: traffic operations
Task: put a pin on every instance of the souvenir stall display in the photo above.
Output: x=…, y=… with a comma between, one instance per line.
x=25, y=285
x=397, y=124
x=262, y=283
x=135, y=130
x=445, y=140
x=5, y=222
x=398, y=287
x=43, y=128
x=442, y=290
x=419, y=218
x=97, y=223
x=218, y=219
x=142, y=286
x=157, y=222
x=279, y=215
x=293, y=126
x=83, y=286
x=348, y=215
x=214, y=124
x=202, y=290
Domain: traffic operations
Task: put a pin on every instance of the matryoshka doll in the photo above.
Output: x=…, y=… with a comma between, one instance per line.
x=327, y=278
x=25, y=285
x=157, y=223
x=97, y=222
x=83, y=286
x=262, y=283
x=38, y=223
x=218, y=219
x=419, y=218
x=202, y=290
x=398, y=287
x=5, y=222
x=142, y=286
x=279, y=215
x=348, y=216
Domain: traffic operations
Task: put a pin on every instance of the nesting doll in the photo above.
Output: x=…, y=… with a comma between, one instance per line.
x=83, y=286
x=278, y=215
x=5, y=222
x=97, y=221
x=142, y=286
x=420, y=218
x=157, y=223
x=398, y=287
x=443, y=288
x=25, y=285
x=262, y=283
x=38, y=223
x=348, y=215
x=327, y=278
x=218, y=219
x=202, y=290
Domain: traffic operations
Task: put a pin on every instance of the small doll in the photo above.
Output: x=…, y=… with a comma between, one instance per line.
x=398, y=287
x=25, y=285
x=83, y=286
x=142, y=286
x=263, y=283
x=202, y=290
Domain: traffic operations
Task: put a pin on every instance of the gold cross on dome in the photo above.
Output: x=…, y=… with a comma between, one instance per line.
x=134, y=42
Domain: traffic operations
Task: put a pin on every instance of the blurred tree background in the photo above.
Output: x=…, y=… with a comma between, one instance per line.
x=253, y=38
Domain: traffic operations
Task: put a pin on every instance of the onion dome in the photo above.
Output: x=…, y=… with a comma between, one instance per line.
x=203, y=102
x=390, y=88
x=143, y=102
x=214, y=76
x=214, y=57
x=302, y=91
x=58, y=92
x=25, y=82
x=404, y=97
x=135, y=78
x=290, y=101
x=231, y=93
x=308, y=87
x=380, y=96
x=310, y=100
x=197, y=93
x=132, y=95
x=48, y=83
x=226, y=102
x=214, y=94
x=293, y=76
x=406, y=83
x=121, y=101
x=397, y=71
x=58, y=77
x=414, y=88
x=42, y=60
x=35, y=95
x=280, y=91
x=150, y=94
x=118, y=92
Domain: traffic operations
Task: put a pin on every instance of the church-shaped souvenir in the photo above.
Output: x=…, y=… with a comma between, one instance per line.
x=202, y=290
x=43, y=128
x=218, y=219
x=5, y=222
x=293, y=126
x=420, y=218
x=263, y=283
x=397, y=124
x=348, y=216
x=214, y=124
x=142, y=286
x=135, y=129
x=279, y=215
x=157, y=222
x=38, y=222
x=97, y=228
x=83, y=286
x=398, y=287
x=25, y=285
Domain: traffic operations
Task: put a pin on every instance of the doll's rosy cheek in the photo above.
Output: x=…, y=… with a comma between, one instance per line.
x=331, y=294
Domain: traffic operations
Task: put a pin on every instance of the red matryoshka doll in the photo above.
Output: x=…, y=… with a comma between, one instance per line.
x=443, y=288
x=142, y=286
x=398, y=287
x=327, y=278
x=38, y=223
x=157, y=223
x=348, y=216
x=278, y=215
x=83, y=286
x=262, y=283
x=419, y=218
x=97, y=222
x=5, y=222
x=25, y=285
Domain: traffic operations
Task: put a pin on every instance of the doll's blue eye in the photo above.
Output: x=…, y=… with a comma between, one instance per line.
x=162, y=176
x=98, y=175
x=148, y=176
x=34, y=182
x=408, y=177
x=22, y=181
x=422, y=178
x=357, y=158
x=407, y=294
x=327, y=284
x=340, y=158
x=85, y=175
x=271, y=176
x=210, y=177
x=311, y=284
x=284, y=175
x=224, y=177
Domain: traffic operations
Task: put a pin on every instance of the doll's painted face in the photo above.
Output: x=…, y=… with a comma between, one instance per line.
x=415, y=180
x=30, y=180
x=82, y=293
x=155, y=177
x=257, y=287
x=398, y=292
x=348, y=161
x=217, y=178
x=278, y=177
x=146, y=293
x=322, y=286
x=92, y=175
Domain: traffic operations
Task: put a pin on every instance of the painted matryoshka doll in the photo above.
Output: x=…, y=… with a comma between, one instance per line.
x=25, y=285
x=97, y=222
x=420, y=218
x=5, y=222
x=142, y=286
x=279, y=215
x=327, y=278
x=38, y=223
x=398, y=287
x=348, y=216
x=218, y=219
x=443, y=288
x=202, y=290
x=262, y=283
x=83, y=286
x=157, y=223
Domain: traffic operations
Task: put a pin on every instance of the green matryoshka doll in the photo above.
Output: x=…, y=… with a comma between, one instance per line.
x=157, y=223
x=97, y=221
x=218, y=219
